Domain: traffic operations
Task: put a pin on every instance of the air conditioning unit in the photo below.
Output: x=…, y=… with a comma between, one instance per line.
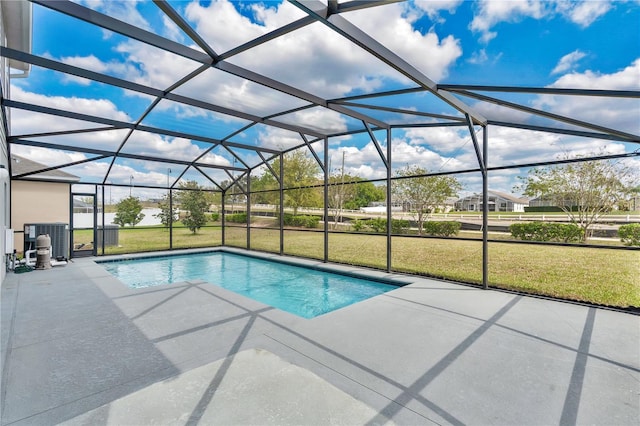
x=58, y=232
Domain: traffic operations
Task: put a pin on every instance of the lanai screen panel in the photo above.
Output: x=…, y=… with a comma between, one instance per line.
x=183, y=84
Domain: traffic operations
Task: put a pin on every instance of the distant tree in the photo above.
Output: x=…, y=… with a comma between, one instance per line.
x=166, y=214
x=263, y=182
x=260, y=184
x=631, y=203
x=365, y=193
x=300, y=171
x=195, y=202
x=423, y=193
x=236, y=193
x=128, y=212
x=584, y=190
x=337, y=194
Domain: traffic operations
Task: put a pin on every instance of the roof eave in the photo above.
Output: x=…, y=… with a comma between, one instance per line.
x=54, y=179
x=18, y=18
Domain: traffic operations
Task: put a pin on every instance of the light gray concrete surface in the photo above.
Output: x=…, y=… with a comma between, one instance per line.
x=251, y=387
x=78, y=346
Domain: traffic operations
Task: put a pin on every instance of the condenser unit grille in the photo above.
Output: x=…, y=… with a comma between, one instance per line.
x=59, y=233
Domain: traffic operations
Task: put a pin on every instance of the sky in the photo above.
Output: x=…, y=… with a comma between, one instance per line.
x=558, y=44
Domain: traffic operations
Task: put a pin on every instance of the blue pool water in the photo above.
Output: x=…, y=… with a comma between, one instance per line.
x=301, y=291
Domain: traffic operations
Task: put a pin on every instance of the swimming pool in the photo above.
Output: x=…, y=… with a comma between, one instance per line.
x=301, y=291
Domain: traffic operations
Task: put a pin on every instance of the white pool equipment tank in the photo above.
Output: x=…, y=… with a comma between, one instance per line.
x=43, y=253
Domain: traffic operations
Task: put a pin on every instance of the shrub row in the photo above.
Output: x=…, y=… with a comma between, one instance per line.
x=547, y=231
x=441, y=229
x=237, y=218
x=630, y=234
x=300, y=220
x=399, y=226
x=549, y=209
x=379, y=225
x=542, y=209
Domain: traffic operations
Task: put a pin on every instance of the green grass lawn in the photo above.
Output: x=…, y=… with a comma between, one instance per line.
x=609, y=277
x=134, y=240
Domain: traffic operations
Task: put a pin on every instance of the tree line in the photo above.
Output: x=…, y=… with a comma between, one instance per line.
x=584, y=190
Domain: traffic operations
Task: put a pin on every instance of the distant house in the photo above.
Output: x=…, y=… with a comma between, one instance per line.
x=80, y=206
x=548, y=202
x=380, y=207
x=398, y=205
x=498, y=202
x=38, y=201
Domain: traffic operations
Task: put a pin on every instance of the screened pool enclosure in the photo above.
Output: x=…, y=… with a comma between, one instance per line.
x=315, y=129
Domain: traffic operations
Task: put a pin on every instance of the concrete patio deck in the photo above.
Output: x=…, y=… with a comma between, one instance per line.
x=80, y=347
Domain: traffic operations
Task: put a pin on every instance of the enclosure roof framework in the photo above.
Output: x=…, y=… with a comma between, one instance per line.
x=219, y=137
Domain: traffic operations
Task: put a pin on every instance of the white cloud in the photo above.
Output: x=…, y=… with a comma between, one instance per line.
x=223, y=27
x=403, y=153
x=97, y=107
x=507, y=146
x=90, y=62
x=392, y=26
x=358, y=161
x=441, y=139
x=233, y=92
x=501, y=180
x=364, y=161
x=211, y=158
x=123, y=170
x=433, y=7
x=143, y=64
x=500, y=113
x=148, y=65
x=323, y=119
x=141, y=143
x=302, y=59
x=491, y=12
x=48, y=157
x=170, y=30
x=478, y=57
x=625, y=79
x=276, y=138
x=154, y=145
x=568, y=62
x=275, y=17
x=584, y=13
x=617, y=113
x=126, y=11
x=316, y=59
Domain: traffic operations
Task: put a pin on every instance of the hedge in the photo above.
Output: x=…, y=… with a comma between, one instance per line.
x=379, y=225
x=630, y=234
x=237, y=218
x=300, y=220
x=547, y=231
x=542, y=209
x=441, y=229
x=400, y=226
